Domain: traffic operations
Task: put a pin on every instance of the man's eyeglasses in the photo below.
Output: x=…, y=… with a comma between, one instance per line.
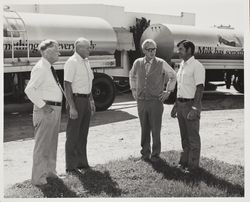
x=150, y=49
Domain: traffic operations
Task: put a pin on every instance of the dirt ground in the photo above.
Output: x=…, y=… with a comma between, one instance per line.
x=115, y=134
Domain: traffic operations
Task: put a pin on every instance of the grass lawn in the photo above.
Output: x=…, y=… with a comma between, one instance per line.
x=136, y=178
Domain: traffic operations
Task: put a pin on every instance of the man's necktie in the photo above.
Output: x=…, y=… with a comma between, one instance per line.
x=57, y=80
x=55, y=75
x=147, y=67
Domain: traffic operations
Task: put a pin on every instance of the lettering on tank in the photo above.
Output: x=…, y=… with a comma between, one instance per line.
x=33, y=46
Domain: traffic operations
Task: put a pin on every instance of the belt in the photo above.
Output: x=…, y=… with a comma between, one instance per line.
x=81, y=95
x=53, y=103
x=185, y=99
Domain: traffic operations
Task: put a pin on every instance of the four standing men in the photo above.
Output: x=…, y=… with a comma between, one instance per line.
x=190, y=86
x=148, y=77
x=147, y=81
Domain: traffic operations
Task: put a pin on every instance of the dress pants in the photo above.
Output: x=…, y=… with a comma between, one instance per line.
x=76, y=134
x=190, y=137
x=47, y=126
x=150, y=115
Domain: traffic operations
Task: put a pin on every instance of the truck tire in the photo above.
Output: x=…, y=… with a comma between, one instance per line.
x=103, y=91
x=238, y=82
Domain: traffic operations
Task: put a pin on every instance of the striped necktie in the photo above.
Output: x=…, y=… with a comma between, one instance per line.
x=147, y=67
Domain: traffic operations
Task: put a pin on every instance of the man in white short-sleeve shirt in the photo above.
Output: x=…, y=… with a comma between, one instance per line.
x=187, y=108
x=78, y=78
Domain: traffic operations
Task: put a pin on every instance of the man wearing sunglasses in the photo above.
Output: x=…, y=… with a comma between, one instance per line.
x=147, y=80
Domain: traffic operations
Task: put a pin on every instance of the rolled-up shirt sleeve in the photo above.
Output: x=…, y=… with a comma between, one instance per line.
x=133, y=77
x=170, y=75
x=199, y=75
x=69, y=71
x=36, y=79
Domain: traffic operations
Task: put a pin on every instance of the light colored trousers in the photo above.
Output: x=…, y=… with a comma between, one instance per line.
x=47, y=126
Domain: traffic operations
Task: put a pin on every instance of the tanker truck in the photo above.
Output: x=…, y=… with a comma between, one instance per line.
x=219, y=50
x=24, y=31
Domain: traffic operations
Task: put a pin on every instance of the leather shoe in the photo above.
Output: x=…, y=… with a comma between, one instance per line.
x=52, y=175
x=155, y=159
x=83, y=167
x=73, y=171
x=145, y=158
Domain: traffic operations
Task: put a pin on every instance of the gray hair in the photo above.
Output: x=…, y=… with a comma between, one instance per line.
x=81, y=40
x=48, y=43
x=146, y=42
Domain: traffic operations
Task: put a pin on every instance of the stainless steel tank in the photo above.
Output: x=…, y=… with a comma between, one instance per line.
x=210, y=43
x=63, y=28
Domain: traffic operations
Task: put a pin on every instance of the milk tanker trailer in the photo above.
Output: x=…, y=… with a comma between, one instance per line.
x=219, y=50
x=24, y=31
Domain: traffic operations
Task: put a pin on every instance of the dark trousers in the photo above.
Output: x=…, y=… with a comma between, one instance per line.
x=150, y=115
x=190, y=138
x=76, y=134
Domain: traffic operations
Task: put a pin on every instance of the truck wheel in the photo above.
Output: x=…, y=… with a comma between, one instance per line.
x=238, y=83
x=103, y=91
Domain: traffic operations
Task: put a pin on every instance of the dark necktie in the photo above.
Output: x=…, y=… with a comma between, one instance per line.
x=55, y=75
x=57, y=80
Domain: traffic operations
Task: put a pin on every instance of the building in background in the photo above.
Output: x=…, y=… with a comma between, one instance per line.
x=115, y=15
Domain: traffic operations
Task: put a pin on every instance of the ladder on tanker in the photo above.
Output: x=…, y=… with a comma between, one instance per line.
x=16, y=26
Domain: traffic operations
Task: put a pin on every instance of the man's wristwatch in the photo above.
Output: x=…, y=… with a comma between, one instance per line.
x=194, y=108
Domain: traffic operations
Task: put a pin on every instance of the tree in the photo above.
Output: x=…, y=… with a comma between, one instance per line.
x=137, y=30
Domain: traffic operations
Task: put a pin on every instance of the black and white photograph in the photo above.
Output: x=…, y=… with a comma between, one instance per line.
x=125, y=99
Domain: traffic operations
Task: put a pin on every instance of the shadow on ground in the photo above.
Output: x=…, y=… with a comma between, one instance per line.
x=197, y=176
x=222, y=101
x=136, y=178
x=96, y=182
x=19, y=126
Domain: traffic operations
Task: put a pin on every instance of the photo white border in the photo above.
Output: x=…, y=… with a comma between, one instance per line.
x=246, y=115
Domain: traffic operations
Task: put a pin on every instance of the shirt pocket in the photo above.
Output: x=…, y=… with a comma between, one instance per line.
x=187, y=78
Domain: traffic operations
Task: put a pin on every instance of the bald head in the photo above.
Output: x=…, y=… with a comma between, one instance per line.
x=82, y=41
x=82, y=47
